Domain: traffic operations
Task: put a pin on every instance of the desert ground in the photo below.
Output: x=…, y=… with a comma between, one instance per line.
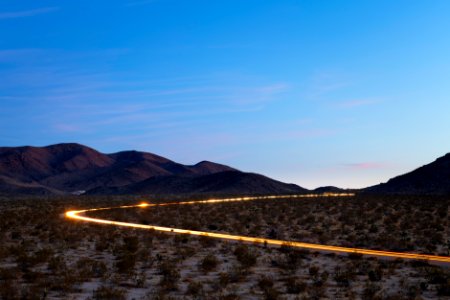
x=43, y=255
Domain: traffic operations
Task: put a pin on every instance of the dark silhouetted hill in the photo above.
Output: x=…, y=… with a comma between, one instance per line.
x=431, y=179
x=228, y=182
x=329, y=189
x=74, y=168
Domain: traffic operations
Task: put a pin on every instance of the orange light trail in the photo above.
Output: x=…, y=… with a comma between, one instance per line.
x=78, y=215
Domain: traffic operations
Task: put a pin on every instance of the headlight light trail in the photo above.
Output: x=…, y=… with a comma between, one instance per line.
x=79, y=215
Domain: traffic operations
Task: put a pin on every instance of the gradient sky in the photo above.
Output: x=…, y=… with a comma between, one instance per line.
x=346, y=93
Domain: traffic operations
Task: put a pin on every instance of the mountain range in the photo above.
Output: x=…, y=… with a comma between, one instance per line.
x=76, y=169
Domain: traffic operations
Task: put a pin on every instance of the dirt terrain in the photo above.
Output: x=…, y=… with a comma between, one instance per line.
x=44, y=255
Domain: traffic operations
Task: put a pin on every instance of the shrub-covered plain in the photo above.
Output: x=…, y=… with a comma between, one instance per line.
x=44, y=255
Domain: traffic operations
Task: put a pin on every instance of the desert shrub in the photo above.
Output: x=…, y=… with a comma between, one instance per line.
x=321, y=279
x=207, y=242
x=34, y=292
x=291, y=259
x=9, y=290
x=294, y=259
x=89, y=268
x=316, y=292
x=24, y=261
x=64, y=282
x=318, y=278
x=370, y=291
x=443, y=289
x=295, y=286
x=436, y=275
x=131, y=244
x=170, y=274
x=354, y=256
x=209, y=263
x=271, y=293
x=109, y=293
x=246, y=257
x=99, y=269
x=285, y=247
x=126, y=263
x=194, y=289
x=140, y=279
x=224, y=279
x=375, y=274
x=180, y=239
x=4, y=251
x=186, y=251
x=341, y=277
x=237, y=273
x=265, y=282
x=32, y=276
x=413, y=291
x=42, y=255
x=313, y=271
x=231, y=296
x=57, y=265
x=9, y=274
x=102, y=244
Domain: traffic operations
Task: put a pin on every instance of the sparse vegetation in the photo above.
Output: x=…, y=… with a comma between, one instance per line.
x=43, y=255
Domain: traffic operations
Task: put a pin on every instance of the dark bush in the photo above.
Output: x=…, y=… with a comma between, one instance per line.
x=246, y=257
x=295, y=286
x=194, y=289
x=109, y=293
x=209, y=263
x=126, y=263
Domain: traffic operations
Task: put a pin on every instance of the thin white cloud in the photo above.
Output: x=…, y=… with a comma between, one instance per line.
x=258, y=95
x=27, y=13
x=66, y=128
x=356, y=103
x=325, y=83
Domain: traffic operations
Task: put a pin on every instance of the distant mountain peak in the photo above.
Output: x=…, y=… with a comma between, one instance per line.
x=205, y=167
x=203, y=162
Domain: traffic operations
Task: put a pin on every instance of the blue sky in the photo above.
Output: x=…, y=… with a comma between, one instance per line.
x=346, y=93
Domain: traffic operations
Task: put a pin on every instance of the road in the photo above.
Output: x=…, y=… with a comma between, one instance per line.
x=80, y=215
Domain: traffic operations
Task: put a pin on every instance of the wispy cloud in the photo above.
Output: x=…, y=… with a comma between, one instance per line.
x=72, y=94
x=66, y=128
x=27, y=13
x=324, y=83
x=258, y=95
x=356, y=103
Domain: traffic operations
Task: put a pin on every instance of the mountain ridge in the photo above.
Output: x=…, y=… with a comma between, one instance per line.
x=67, y=168
x=429, y=179
x=227, y=182
x=74, y=168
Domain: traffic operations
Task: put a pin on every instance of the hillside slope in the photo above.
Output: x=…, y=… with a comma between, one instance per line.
x=431, y=179
x=66, y=168
x=228, y=182
x=74, y=168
